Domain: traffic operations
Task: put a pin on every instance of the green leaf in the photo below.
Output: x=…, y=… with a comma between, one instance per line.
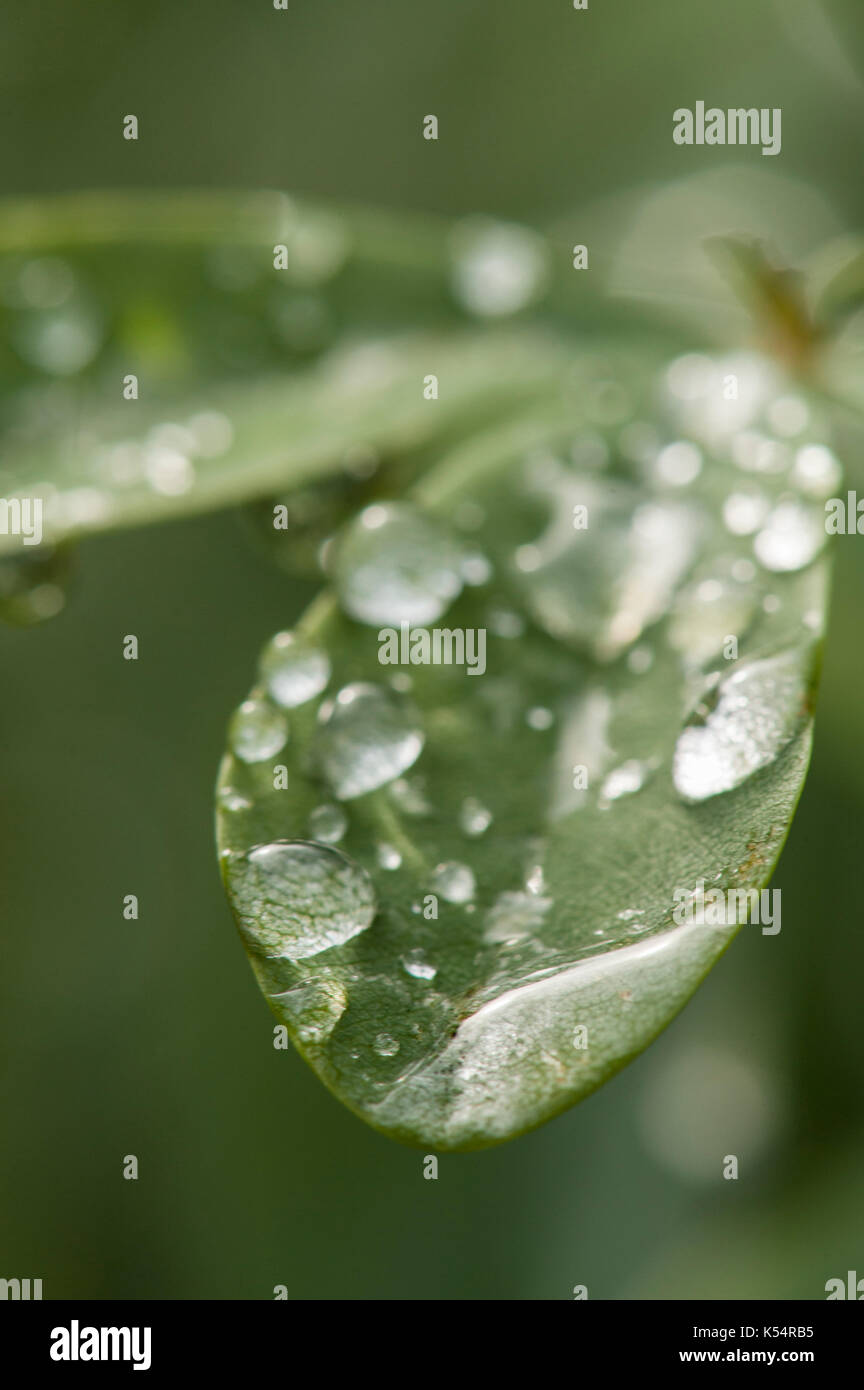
x=250, y=378
x=457, y=890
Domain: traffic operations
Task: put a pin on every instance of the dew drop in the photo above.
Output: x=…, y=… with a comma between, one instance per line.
x=386, y=1045
x=368, y=736
x=313, y=1010
x=539, y=718
x=293, y=671
x=513, y=916
x=791, y=537
x=474, y=818
x=327, y=823
x=499, y=267
x=388, y=856
x=395, y=565
x=454, y=881
x=758, y=711
x=625, y=780
x=257, y=731
x=296, y=899
x=416, y=965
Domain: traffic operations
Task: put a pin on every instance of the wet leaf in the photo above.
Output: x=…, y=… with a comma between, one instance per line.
x=457, y=880
x=156, y=360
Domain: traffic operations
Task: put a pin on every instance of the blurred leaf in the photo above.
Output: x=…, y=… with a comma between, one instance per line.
x=249, y=378
x=440, y=877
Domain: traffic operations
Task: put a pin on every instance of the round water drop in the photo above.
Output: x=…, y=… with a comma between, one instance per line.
x=368, y=737
x=257, y=731
x=231, y=800
x=454, y=881
x=499, y=267
x=328, y=824
x=395, y=565
x=386, y=1045
x=296, y=899
x=388, y=856
x=792, y=536
x=474, y=818
x=539, y=718
x=293, y=671
x=759, y=709
x=416, y=965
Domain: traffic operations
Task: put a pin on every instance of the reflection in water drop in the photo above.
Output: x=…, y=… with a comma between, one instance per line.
x=759, y=708
x=368, y=736
x=296, y=899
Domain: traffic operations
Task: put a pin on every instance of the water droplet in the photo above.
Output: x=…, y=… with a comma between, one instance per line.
x=386, y=1045
x=388, y=856
x=327, y=823
x=395, y=565
x=168, y=471
x=539, y=718
x=257, y=731
x=499, y=267
x=792, y=536
x=474, y=818
x=744, y=512
x=296, y=899
x=231, y=800
x=454, y=881
x=407, y=793
x=514, y=916
x=640, y=660
x=292, y=670
x=476, y=569
x=816, y=471
x=504, y=623
x=416, y=965
x=759, y=708
x=368, y=736
x=678, y=464
x=625, y=780
x=314, y=1009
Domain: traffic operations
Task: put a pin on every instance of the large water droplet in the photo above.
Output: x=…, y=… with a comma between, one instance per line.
x=396, y=565
x=295, y=898
x=257, y=731
x=759, y=708
x=368, y=736
x=293, y=671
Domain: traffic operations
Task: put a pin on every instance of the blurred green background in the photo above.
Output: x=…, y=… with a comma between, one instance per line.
x=151, y=1037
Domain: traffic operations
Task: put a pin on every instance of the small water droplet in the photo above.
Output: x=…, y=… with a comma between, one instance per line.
x=368, y=736
x=395, y=565
x=293, y=670
x=816, y=471
x=454, y=881
x=231, y=800
x=386, y=1045
x=514, y=916
x=314, y=1009
x=408, y=794
x=296, y=899
x=327, y=823
x=416, y=965
x=744, y=512
x=625, y=780
x=257, y=731
x=388, y=856
x=539, y=718
x=678, y=464
x=474, y=818
x=640, y=660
